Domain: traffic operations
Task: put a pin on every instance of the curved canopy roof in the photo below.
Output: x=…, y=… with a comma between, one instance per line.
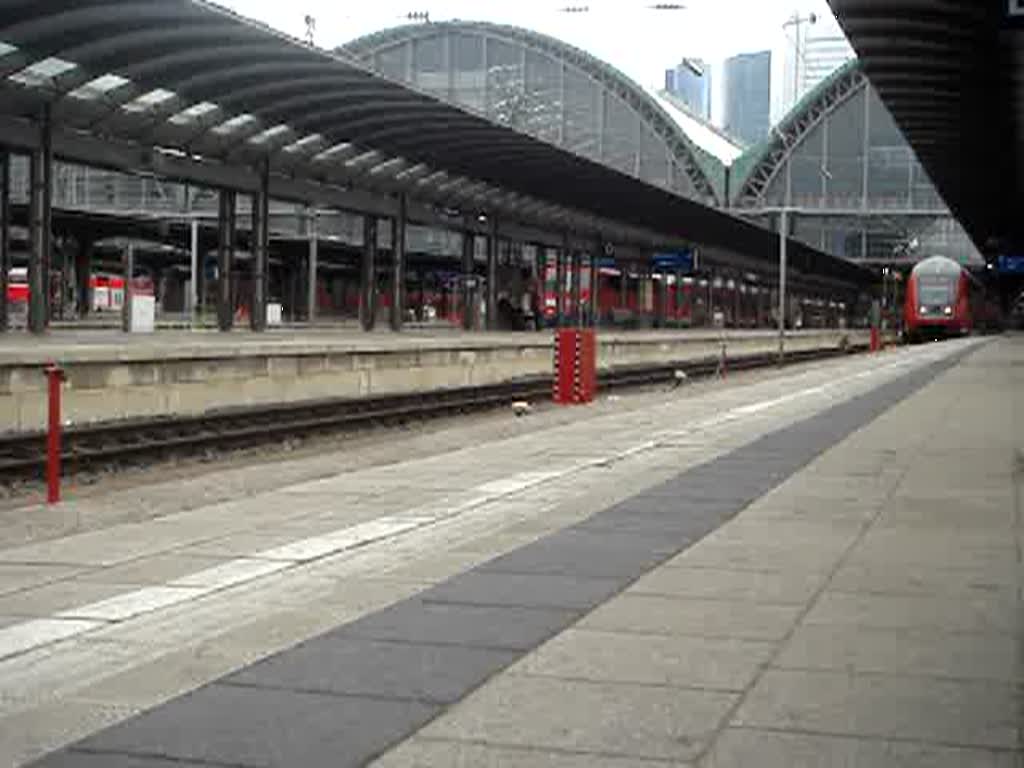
x=950, y=74
x=683, y=135
x=755, y=169
x=219, y=91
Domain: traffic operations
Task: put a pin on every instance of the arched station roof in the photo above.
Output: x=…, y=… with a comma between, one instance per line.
x=486, y=67
x=754, y=171
x=152, y=85
x=950, y=71
x=853, y=184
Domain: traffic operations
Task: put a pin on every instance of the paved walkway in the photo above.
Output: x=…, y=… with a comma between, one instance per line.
x=594, y=600
x=866, y=612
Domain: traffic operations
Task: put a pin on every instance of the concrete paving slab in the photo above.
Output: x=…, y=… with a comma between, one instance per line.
x=649, y=614
x=686, y=662
x=612, y=720
x=926, y=652
x=358, y=666
x=18, y=637
x=906, y=550
x=501, y=627
x=144, y=685
x=242, y=726
x=963, y=713
x=14, y=578
x=980, y=614
x=960, y=512
x=744, y=747
x=32, y=733
x=428, y=753
x=585, y=553
x=795, y=587
x=239, y=545
x=916, y=579
x=157, y=569
x=524, y=590
x=131, y=604
x=50, y=599
x=107, y=760
x=756, y=556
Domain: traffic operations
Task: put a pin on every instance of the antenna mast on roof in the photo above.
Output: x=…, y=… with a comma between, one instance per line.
x=310, y=29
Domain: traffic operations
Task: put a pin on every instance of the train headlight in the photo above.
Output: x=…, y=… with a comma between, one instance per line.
x=948, y=311
x=923, y=310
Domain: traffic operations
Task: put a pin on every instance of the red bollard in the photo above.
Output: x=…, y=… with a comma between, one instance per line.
x=565, y=365
x=54, y=376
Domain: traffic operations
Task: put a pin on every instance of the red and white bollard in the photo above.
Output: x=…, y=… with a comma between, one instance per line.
x=55, y=378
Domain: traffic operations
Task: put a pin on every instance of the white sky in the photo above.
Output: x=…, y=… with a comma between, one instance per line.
x=626, y=33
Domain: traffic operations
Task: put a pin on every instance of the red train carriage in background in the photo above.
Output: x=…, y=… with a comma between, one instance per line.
x=940, y=300
x=107, y=291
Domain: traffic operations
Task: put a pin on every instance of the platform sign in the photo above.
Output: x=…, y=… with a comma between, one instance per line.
x=673, y=261
x=1011, y=265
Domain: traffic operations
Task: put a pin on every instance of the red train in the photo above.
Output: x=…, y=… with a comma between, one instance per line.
x=941, y=297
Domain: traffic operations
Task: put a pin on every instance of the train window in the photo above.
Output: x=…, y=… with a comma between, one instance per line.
x=936, y=291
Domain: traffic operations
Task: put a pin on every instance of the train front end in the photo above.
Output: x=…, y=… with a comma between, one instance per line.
x=937, y=300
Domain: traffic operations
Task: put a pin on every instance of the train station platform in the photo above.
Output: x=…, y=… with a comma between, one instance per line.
x=111, y=375
x=817, y=567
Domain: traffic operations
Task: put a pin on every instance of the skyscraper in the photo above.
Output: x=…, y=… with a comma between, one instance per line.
x=748, y=83
x=690, y=81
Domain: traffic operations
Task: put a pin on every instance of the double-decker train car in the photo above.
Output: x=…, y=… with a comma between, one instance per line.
x=938, y=300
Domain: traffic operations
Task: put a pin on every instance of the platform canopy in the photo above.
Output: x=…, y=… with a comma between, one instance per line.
x=207, y=95
x=952, y=74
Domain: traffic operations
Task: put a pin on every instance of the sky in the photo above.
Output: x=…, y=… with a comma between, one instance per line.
x=638, y=40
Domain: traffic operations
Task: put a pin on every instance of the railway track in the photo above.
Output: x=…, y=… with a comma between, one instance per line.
x=110, y=445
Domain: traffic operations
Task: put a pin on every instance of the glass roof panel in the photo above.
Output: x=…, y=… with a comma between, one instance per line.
x=304, y=142
x=194, y=113
x=235, y=124
x=43, y=71
x=269, y=134
x=149, y=100
x=98, y=87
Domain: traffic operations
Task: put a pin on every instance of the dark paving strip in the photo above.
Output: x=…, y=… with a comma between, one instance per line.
x=344, y=697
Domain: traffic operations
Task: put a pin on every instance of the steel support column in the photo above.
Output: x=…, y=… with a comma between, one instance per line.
x=368, y=275
x=577, y=288
x=128, y=268
x=783, y=243
x=709, y=316
x=193, y=269
x=398, y=227
x=540, y=279
x=40, y=220
x=562, y=258
x=314, y=245
x=261, y=251
x=83, y=278
x=225, y=259
x=5, y=237
x=679, y=297
x=468, y=279
x=492, y=274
